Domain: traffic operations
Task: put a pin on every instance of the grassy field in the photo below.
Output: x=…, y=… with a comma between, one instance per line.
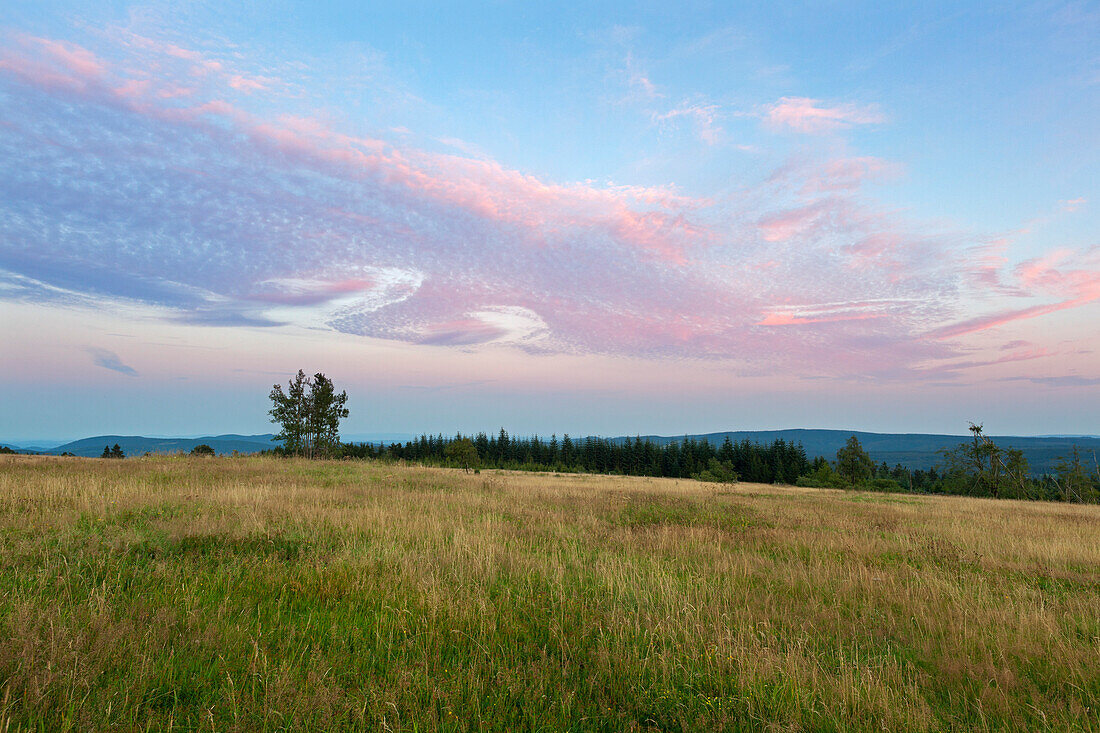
x=258, y=594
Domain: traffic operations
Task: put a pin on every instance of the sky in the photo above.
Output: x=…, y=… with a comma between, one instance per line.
x=594, y=218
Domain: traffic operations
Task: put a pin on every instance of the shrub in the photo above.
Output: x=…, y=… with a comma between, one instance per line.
x=824, y=477
x=719, y=472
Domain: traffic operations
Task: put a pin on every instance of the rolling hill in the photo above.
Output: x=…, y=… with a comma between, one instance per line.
x=135, y=445
x=914, y=450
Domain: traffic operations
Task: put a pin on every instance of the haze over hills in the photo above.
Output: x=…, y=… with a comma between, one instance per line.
x=913, y=450
x=133, y=445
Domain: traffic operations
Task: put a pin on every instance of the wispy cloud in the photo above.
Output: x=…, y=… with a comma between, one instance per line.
x=703, y=116
x=110, y=360
x=1060, y=381
x=811, y=116
x=1072, y=278
x=115, y=186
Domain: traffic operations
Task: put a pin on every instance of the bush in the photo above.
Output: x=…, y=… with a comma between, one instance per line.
x=824, y=477
x=202, y=450
x=719, y=472
x=882, y=484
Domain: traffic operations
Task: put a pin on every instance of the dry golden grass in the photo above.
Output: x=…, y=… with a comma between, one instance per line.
x=259, y=594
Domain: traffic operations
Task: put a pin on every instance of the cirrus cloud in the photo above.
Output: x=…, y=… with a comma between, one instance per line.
x=118, y=185
x=811, y=116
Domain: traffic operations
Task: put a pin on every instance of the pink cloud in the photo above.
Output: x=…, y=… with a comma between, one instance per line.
x=803, y=114
x=790, y=319
x=200, y=63
x=794, y=315
x=1044, y=274
x=847, y=174
x=806, y=220
x=474, y=251
x=994, y=320
x=133, y=88
x=174, y=91
x=249, y=83
x=53, y=64
x=80, y=61
x=786, y=224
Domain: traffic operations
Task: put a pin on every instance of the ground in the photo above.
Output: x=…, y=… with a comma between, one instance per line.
x=261, y=594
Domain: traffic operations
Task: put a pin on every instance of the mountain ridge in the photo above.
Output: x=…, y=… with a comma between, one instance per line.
x=913, y=450
x=137, y=444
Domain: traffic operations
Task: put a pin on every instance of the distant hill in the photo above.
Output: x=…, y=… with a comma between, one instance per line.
x=32, y=446
x=376, y=438
x=914, y=450
x=135, y=445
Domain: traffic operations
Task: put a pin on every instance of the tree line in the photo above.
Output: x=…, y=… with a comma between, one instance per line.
x=778, y=462
x=309, y=413
x=975, y=468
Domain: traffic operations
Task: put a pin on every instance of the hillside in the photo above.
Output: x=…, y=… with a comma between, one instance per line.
x=260, y=594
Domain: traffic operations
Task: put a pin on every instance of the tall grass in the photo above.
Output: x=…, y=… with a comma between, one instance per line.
x=263, y=594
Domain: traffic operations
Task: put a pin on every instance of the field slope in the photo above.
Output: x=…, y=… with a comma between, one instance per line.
x=257, y=594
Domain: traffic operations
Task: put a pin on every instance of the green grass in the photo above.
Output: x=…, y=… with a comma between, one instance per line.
x=256, y=594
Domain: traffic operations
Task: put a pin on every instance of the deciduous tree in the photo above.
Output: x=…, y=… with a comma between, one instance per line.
x=463, y=452
x=853, y=463
x=309, y=413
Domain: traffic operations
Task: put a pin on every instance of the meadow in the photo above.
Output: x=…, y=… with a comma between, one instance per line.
x=241, y=594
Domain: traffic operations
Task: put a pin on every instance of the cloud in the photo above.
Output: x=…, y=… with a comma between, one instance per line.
x=109, y=360
x=806, y=115
x=80, y=61
x=833, y=312
x=217, y=211
x=1044, y=276
x=837, y=174
x=250, y=83
x=1063, y=381
x=704, y=118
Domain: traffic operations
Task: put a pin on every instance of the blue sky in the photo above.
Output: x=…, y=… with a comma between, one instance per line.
x=613, y=218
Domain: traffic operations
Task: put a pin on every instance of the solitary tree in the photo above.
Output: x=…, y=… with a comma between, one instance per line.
x=463, y=452
x=853, y=463
x=309, y=413
x=982, y=468
x=202, y=450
